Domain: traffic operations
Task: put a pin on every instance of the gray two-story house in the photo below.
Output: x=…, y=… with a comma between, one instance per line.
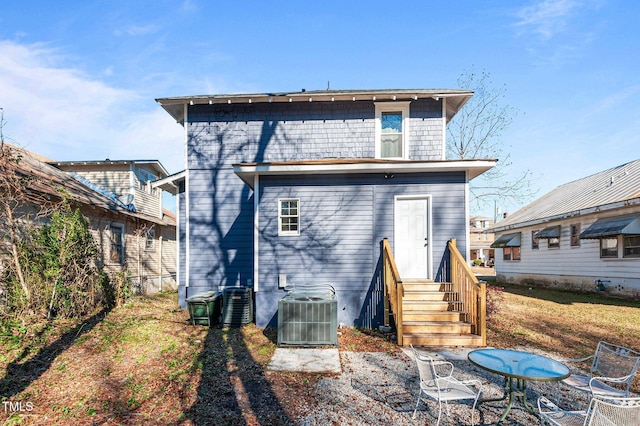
x=284, y=189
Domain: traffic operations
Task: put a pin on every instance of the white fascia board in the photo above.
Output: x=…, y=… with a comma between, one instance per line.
x=169, y=183
x=473, y=168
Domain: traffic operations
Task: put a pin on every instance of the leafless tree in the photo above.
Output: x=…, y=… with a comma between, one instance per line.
x=476, y=132
x=21, y=203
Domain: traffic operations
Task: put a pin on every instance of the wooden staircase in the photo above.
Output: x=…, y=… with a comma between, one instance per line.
x=433, y=316
x=428, y=313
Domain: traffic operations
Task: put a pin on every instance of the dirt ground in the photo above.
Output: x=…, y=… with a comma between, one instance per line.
x=483, y=271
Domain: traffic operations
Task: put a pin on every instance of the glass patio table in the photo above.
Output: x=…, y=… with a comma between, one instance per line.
x=517, y=367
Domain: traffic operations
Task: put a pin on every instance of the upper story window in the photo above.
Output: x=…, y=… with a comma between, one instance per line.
x=144, y=177
x=392, y=130
x=289, y=217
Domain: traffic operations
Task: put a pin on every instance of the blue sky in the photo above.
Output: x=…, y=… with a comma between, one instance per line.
x=78, y=79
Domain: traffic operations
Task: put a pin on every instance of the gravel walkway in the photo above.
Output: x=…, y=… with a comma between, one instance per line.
x=379, y=388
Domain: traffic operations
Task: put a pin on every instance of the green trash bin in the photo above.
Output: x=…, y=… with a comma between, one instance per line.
x=204, y=308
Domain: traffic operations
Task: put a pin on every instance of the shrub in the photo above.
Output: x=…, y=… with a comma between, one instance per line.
x=495, y=297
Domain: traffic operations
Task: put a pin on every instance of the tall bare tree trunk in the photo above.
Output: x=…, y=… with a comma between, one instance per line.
x=14, y=252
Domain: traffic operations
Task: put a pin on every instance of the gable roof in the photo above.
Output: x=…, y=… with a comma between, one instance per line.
x=456, y=98
x=606, y=190
x=151, y=164
x=49, y=180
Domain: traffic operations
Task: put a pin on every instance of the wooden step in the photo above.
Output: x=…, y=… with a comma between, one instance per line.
x=444, y=339
x=426, y=286
x=431, y=305
x=412, y=295
x=422, y=316
x=432, y=316
x=447, y=327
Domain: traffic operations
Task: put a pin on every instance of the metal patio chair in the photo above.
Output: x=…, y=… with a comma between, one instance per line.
x=437, y=382
x=613, y=368
x=601, y=412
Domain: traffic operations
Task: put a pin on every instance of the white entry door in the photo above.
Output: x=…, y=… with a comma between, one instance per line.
x=411, y=237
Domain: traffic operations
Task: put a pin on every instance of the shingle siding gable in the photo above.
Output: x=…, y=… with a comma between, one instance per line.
x=221, y=135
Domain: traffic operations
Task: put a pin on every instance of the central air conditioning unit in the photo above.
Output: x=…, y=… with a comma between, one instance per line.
x=237, y=306
x=308, y=316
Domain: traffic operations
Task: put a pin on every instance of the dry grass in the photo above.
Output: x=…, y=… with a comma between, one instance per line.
x=144, y=364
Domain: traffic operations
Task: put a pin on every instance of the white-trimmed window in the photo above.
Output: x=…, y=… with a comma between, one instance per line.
x=632, y=246
x=609, y=247
x=392, y=130
x=116, y=250
x=535, y=242
x=289, y=216
x=150, y=240
x=511, y=253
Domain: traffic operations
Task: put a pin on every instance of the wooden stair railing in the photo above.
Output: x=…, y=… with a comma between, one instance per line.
x=471, y=294
x=393, y=289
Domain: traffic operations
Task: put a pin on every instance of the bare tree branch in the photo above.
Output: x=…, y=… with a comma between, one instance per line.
x=476, y=131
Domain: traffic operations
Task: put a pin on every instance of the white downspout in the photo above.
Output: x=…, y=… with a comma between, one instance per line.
x=467, y=226
x=444, y=128
x=256, y=232
x=187, y=244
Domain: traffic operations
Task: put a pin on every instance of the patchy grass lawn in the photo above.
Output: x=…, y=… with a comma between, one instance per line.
x=144, y=364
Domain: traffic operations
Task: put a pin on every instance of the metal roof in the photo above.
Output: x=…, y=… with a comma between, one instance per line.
x=456, y=98
x=549, y=232
x=606, y=190
x=47, y=179
x=507, y=240
x=612, y=226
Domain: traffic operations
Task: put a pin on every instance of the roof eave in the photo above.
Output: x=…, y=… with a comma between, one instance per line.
x=633, y=202
x=456, y=98
x=472, y=168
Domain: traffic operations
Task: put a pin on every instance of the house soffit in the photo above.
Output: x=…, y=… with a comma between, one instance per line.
x=455, y=98
x=247, y=171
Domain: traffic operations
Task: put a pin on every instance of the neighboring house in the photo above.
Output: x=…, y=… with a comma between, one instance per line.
x=583, y=235
x=141, y=243
x=301, y=188
x=480, y=240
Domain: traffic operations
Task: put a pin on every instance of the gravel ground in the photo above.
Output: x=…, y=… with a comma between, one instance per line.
x=380, y=388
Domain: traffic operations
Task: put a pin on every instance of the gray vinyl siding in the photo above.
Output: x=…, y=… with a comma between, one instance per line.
x=344, y=217
x=221, y=135
x=220, y=230
x=181, y=231
x=343, y=221
x=146, y=203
